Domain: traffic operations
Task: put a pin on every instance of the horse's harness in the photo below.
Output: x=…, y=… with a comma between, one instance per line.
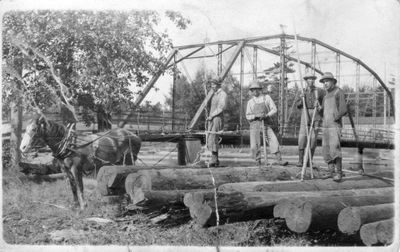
x=66, y=145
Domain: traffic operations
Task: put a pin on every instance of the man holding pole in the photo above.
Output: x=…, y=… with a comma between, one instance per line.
x=259, y=110
x=334, y=108
x=215, y=120
x=313, y=97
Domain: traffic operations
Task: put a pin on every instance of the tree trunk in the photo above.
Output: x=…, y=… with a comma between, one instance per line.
x=377, y=232
x=16, y=118
x=202, y=207
x=253, y=205
x=181, y=179
x=351, y=219
x=186, y=179
x=320, y=213
x=111, y=179
x=357, y=182
x=158, y=199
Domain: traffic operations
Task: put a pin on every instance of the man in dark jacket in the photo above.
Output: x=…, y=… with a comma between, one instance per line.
x=334, y=108
x=312, y=95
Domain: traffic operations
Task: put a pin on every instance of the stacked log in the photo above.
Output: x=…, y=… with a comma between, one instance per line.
x=111, y=179
x=242, y=205
x=378, y=232
x=136, y=184
x=322, y=212
x=356, y=182
x=351, y=219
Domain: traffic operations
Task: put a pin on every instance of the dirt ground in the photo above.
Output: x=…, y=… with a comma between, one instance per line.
x=42, y=213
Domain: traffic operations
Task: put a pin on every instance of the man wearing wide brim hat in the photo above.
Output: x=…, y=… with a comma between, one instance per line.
x=334, y=108
x=215, y=119
x=313, y=96
x=260, y=108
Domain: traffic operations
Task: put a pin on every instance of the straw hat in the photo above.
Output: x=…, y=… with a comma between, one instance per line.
x=255, y=85
x=327, y=76
x=310, y=76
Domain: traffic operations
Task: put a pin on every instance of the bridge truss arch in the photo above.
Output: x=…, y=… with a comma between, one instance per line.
x=367, y=89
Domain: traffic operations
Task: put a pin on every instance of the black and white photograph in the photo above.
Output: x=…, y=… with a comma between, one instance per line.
x=225, y=125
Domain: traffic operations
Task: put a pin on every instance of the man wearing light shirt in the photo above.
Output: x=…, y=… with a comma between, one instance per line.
x=215, y=120
x=261, y=108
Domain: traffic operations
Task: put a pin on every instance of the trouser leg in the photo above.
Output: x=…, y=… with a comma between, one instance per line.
x=214, y=159
x=255, y=141
x=301, y=158
x=339, y=175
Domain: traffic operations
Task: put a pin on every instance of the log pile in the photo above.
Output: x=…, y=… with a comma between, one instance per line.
x=112, y=179
x=357, y=205
x=299, y=209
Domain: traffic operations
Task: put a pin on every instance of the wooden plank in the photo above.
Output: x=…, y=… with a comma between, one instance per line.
x=201, y=108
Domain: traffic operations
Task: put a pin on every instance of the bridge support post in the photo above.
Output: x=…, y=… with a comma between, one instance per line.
x=359, y=159
x=189, y=149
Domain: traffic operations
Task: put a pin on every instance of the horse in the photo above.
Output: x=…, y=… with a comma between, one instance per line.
x=77, y=155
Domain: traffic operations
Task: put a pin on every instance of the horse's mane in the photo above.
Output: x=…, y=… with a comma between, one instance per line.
x=52, y=128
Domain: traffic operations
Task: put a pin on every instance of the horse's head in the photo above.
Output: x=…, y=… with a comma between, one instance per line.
x=32, y=131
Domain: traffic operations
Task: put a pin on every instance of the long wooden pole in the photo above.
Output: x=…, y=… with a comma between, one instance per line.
x=264, y=143
x=306, y=115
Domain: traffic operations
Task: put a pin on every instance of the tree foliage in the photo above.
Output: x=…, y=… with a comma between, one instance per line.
x=96, y=55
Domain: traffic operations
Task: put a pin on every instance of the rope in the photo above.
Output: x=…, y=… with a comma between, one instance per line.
x=213, y=182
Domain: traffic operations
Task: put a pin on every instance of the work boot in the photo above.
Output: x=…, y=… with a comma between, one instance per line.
x=301, y=156
x=339, y=175
x=331, y=171
x=214, y=159
x=279, y=161
x=312, y=157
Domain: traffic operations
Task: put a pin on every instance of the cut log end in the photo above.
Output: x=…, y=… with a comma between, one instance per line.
x=136, y=185
x=281, y=209
x=199, y=210
x=385, y=231
x=301, y=213
x=349, y=220
x=368, y=234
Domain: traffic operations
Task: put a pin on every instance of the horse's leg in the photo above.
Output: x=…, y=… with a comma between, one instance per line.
x=131, y=151
x=71, y=181
x=77, y=172
x=124, y=162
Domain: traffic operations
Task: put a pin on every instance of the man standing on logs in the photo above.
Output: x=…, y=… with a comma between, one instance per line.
x=313, y=97
x=215, y=120
x=334, y=108
x=260, y=109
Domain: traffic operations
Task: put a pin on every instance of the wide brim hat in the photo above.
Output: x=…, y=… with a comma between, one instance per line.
x=310, y=76
x=327, y=76
x=255, y=85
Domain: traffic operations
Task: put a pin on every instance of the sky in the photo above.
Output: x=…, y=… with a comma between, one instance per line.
x=366, y=29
